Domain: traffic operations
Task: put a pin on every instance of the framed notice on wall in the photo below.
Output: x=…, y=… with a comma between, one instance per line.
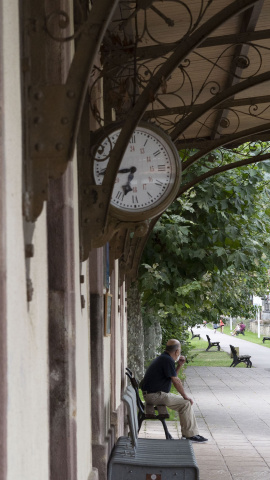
x=107, y=313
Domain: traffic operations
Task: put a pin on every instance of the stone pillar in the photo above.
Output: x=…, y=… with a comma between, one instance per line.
x=99, y=445
x=3, y=275
x=62, y=359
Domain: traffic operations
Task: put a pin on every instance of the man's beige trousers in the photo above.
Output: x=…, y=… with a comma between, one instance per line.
x=188, y=423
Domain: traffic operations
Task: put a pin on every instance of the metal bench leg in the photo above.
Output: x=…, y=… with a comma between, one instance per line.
x=166, y=431
x=140, y=420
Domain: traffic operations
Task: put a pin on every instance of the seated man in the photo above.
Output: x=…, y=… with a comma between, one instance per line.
x=156, y=386
x=242, y=328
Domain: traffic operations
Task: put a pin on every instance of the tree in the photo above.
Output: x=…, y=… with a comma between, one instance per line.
x=210, y=250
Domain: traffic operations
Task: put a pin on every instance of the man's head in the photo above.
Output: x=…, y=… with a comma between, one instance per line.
x=173, y=347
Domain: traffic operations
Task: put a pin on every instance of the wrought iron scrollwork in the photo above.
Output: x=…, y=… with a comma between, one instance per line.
x=125, y=72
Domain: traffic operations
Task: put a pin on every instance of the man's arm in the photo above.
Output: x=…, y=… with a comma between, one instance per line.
x=179, y=387
x=177, y=382
x=180, y=363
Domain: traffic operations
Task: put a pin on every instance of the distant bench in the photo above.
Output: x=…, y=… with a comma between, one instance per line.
x=134, y=457
x=212, y=344
x=240, y=358
x=265, y=338
x=195, y=335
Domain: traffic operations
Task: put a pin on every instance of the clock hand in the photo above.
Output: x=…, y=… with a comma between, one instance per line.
x=127, y=170
x=130, y=177
x=123, y=170
x=127, y=188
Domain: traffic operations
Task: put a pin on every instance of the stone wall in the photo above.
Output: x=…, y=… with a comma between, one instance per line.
x=264, y=329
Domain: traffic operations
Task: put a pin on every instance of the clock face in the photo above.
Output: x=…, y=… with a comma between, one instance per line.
x=149, y=171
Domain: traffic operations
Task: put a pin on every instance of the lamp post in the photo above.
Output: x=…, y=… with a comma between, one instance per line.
x=257, y=301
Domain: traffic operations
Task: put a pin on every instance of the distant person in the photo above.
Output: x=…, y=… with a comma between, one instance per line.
x=215, y=326
x=242, y=328
x=236, y=330
x=156, y=386
x=221, y=324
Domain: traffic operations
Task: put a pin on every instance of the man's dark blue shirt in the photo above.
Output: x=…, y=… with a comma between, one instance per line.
x=158, y=375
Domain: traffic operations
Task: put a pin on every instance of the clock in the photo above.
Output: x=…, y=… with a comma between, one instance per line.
x=149, y=176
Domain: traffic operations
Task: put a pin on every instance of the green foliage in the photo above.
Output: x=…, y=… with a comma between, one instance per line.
x=209, y=251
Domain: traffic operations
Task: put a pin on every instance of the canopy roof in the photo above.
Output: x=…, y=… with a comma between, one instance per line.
x=199, y=69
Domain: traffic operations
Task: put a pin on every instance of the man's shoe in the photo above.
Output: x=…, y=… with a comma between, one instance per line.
x=197, y=439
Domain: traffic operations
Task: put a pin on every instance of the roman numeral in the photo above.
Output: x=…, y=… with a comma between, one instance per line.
x=161, y=168
x=145, y=142
x=149, y=194
x=119, y=195
x=158, y=183
x=133, y=139
x=156, y=153
x=135, y=199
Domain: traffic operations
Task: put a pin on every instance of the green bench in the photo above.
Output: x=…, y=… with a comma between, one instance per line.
x=148, y=458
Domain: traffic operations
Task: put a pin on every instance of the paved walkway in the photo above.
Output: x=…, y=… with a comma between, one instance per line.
x=232, y=407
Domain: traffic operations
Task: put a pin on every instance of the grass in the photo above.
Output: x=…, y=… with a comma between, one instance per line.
x=249, y=336
x=212, y=358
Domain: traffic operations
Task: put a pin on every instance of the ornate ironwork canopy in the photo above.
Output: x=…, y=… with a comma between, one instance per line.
x=197, y=68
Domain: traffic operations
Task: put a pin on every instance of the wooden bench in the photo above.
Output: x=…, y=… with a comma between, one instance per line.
x=146, y=411
x=143, y=458
x=212, y=344
x=194, y=336
x=265, y=338
x=240, y=358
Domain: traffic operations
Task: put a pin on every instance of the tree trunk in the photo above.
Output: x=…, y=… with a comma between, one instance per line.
x=152, y=341
x=135, y=332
